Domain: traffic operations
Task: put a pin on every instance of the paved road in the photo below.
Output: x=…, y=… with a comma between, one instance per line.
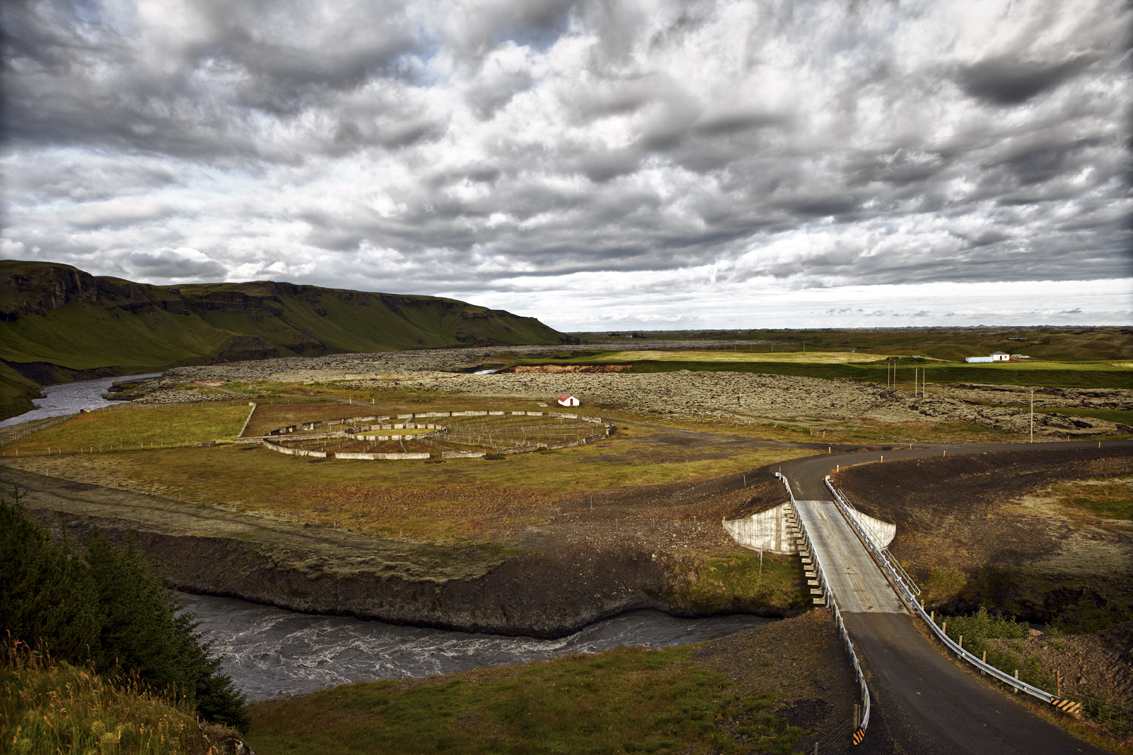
x=923, y=701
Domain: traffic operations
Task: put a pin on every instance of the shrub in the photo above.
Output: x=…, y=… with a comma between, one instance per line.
x=1088, y=616
x=48, y=591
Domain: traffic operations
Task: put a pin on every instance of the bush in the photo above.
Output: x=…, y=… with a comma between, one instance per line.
x=982, y=626
x=1088, y=616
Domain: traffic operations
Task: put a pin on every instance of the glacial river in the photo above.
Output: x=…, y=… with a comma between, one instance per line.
x=69, y=398
x=271, y=652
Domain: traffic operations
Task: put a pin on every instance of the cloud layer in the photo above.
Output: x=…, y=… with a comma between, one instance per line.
x=547, y=152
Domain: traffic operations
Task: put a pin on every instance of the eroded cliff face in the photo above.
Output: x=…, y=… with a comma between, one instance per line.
x=542, y=595
x=546, y=589
x=37, y=288
x=532, y=595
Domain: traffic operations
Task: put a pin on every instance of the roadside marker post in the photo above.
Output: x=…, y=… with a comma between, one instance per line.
x=1067, y=706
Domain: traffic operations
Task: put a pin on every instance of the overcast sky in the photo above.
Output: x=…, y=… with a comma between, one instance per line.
x=596, y=164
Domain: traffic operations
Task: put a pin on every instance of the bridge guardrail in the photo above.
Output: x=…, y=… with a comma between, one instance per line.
x=906, y=591
x=859, y=726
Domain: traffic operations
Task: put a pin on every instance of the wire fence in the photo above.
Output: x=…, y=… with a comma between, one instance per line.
x=107, y=448
x=16, y=432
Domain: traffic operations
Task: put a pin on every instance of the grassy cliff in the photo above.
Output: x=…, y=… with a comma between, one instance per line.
x=60, y=323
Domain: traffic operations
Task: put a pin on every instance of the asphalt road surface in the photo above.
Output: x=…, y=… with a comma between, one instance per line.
x=923, y=702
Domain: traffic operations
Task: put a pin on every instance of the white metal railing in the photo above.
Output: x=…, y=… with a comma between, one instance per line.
x=906, y=590
x=859, y=725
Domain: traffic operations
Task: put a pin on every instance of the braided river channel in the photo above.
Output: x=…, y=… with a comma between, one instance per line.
x=271, y=652
x=69, y=398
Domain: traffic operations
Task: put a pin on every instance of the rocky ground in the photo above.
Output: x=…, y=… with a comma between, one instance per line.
x=181, y=396
x=1095, y=666
x=742, y=398
x=394, y=364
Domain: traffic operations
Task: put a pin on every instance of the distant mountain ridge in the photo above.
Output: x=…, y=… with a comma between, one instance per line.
x=59, y=323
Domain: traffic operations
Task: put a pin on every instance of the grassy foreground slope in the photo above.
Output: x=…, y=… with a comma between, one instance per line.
x=57, y=707
x=60, y=323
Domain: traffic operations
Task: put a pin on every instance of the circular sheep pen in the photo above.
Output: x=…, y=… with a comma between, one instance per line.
x=445, y=435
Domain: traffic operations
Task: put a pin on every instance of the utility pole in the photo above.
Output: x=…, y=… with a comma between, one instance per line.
x=1032, y=390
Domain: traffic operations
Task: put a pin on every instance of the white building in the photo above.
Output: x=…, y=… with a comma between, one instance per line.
x=567, y=400
x=997, y=356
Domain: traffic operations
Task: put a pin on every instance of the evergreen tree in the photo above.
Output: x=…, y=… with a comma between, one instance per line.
x=111, y=611
x=48, y=596
x=137, y=631
x=217, y=698
x=143, y=634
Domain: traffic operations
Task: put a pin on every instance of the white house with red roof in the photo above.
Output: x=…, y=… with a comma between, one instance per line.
x=567, y=400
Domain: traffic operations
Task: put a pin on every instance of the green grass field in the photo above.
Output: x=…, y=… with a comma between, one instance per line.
x=461, y=498
x=624, y=700
x=724, y=355
x=1109, y=415
x=1109, y=499
x=841, y=365
x=132, y=429
x=1055, y=343
x=741, y=576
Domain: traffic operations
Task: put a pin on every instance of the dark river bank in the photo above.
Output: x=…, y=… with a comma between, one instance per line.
x=270, y=652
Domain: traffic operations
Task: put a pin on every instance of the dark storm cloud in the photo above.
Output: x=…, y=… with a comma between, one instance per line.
x=1009, y=81
x=1041, y=160
x=174, y=264
x=195, y=86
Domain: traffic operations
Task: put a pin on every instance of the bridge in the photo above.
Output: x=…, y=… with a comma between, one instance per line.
x=914, y=698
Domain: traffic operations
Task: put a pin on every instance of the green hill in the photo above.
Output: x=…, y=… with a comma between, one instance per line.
x=59, y=323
